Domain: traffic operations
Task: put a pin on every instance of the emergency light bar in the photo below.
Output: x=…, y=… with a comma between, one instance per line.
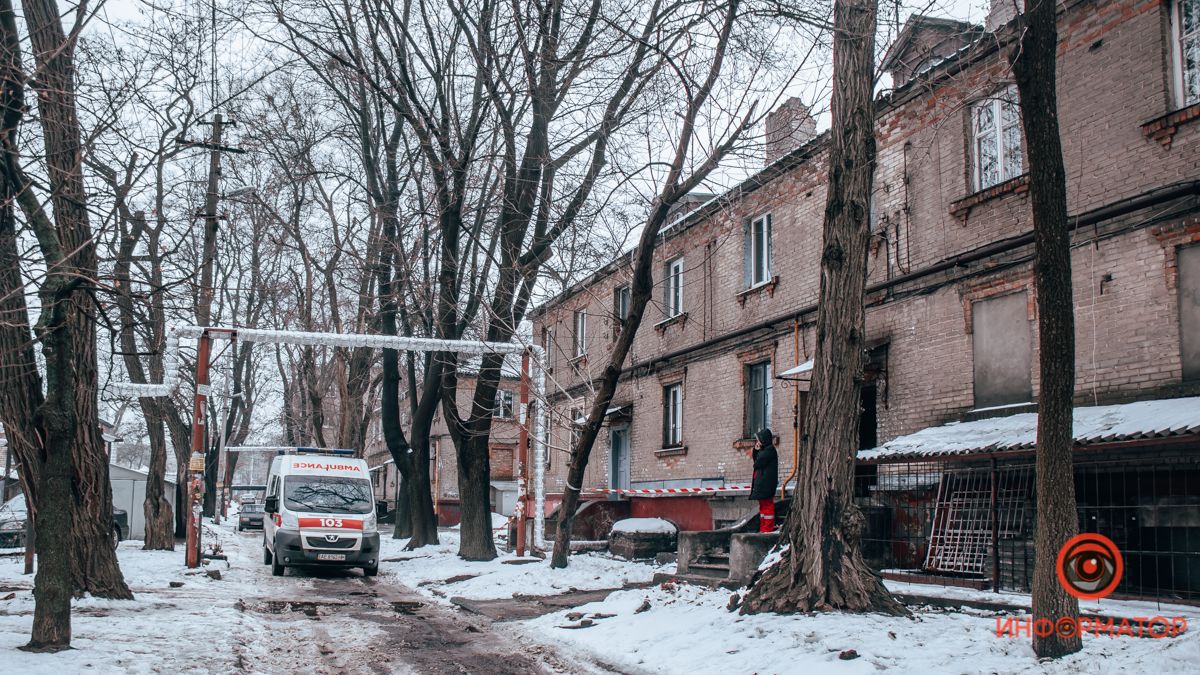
x=345, y=452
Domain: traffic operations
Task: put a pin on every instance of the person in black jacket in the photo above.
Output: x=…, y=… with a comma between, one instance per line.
x=766, y=478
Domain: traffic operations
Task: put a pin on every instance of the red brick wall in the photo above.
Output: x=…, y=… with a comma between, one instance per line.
x=1113, y=78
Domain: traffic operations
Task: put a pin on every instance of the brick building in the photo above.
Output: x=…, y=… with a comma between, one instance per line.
x=951, y=310
x=502, y=444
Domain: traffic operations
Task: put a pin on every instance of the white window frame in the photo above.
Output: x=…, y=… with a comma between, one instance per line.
x=580, y=322
x=1007, y=169
x=504, y=404
x=623, y=295
x=674, y=286
x=673, y=415
x=760, y=243
x=1178, y=51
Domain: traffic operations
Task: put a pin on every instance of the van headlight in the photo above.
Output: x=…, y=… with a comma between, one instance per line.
x=370, y=524
x=288, y=520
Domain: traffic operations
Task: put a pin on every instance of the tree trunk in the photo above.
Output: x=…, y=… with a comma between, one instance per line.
x=94, y=567
x=1034, y=65
x=159, y=534
x=56, y=508
x=823, y=568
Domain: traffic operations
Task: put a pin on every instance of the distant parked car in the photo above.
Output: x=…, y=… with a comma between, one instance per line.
x=14, y=513
x=250, y=517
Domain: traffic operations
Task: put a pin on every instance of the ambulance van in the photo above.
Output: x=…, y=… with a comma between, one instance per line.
x=320, y=511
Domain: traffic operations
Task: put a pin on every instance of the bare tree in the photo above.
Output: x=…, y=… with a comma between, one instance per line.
x=677, y=182
x=71, y=498
x=1034, y=63
x=822, y=567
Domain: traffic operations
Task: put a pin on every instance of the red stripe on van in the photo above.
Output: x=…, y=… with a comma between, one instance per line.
x=332, y=523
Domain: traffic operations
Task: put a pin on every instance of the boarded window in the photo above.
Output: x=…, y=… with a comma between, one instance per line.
x=1003, y=352
x=1189, y=311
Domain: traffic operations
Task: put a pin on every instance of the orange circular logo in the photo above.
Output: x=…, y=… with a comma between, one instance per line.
x=1090, y=566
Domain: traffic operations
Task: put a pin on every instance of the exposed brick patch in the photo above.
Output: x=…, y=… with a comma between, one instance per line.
x=962, y=208
x=768, y=288
x=1162, y=129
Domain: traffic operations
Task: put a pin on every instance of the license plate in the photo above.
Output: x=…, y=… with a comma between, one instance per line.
x=331, y=556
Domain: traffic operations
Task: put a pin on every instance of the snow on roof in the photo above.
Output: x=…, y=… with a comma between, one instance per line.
x=1098, y=424
x=802, y=369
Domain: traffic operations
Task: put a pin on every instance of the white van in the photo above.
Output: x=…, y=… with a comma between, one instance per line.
x=320, y=511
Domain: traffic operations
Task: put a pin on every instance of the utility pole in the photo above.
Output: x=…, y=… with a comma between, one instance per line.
x=196, y=464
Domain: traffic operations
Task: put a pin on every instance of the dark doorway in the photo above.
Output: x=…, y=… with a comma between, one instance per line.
x=868, y=426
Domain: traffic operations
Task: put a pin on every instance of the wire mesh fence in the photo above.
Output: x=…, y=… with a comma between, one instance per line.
x=971, y=523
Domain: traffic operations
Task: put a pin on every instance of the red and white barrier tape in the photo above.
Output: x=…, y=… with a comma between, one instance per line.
x=669, y=491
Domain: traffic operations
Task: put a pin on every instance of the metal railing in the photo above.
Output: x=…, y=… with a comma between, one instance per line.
x=971, y=524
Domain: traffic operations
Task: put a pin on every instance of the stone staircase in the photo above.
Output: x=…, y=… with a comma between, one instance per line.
x=725, y=558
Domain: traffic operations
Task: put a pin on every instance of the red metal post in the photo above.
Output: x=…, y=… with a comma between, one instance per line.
x=195, y=474
x=523, y=457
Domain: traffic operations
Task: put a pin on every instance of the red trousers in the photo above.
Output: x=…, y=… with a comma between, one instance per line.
x=766, y=515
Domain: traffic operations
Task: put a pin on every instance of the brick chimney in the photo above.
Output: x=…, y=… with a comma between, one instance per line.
x=790, y=126
x=1002, y=12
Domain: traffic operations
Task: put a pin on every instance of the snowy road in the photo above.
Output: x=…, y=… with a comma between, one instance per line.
x=249, y=621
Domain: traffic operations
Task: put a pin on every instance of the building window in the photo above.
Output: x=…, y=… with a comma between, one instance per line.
x=1189, y=310
x=620, y=307
x=1002, y=348
x=758, y=398
x=504, y=404
x=757, y=251
x=580, y=333
x=1186, y=29
x=577, y=422
x=672, y=415
x=996, y=139
x=673, y=300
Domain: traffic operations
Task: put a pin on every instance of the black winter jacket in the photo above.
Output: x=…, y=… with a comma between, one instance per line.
x=766, y=473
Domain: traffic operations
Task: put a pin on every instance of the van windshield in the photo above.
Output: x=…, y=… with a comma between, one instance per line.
x=326, y=494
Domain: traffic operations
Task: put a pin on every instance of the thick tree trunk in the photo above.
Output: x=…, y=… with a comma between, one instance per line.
x=1034, y=65
x=94, y=563
x=56, y=507
x=823, y=567
x=474, y=463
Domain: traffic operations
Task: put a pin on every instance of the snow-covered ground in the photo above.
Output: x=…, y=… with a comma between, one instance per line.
x=438, y=572
x=208, y=625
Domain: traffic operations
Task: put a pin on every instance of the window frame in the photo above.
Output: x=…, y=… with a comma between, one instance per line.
x=673, y=285
x=672, y=408
x=997, y=102
x=758, y=240
x=579, y=324
x=622, y=295
x=748, y=425
x=504, y=397
x=1178, y=56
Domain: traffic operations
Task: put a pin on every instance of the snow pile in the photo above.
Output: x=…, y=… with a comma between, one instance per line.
x=645, y=526
x=1096, y=424
x=688, y=629
x=438, y=572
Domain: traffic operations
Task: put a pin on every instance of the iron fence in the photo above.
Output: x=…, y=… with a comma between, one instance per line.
x=971, y=523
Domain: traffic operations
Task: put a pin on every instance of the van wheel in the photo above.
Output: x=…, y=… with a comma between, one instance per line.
x=266, y=554
x=371, y=571
x=276, y=566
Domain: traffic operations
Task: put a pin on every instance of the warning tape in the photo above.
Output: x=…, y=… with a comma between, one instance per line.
x=669, y=491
